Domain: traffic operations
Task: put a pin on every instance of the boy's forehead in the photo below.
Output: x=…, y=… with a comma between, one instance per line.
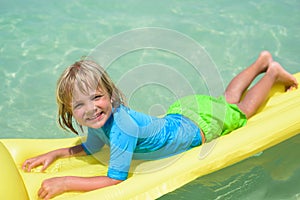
x=77, y=91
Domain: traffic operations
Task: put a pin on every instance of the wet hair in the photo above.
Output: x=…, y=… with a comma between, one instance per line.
x=86, y=75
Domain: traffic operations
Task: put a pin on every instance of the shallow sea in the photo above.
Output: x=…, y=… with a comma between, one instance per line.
x=155, y=51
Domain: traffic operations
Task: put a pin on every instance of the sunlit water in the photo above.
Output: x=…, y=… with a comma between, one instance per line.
x=39, y=39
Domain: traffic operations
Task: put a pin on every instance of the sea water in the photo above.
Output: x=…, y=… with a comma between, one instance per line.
x=158, y=62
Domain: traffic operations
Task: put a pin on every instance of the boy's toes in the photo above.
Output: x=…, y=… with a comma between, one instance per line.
x=291, y=88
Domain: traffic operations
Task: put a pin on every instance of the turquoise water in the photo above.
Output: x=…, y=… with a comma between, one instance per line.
x=39, y=39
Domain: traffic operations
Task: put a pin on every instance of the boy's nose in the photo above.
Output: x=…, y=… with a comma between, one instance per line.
x=91, y=108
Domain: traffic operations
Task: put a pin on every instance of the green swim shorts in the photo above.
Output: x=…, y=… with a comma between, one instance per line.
x=214, y=116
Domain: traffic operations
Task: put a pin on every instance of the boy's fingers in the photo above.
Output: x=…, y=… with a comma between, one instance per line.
x=44, y=166
x=29, y=165
x=25, y=165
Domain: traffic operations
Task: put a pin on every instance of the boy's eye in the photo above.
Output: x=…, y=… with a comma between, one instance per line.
x=76, y=106
x=97, y=97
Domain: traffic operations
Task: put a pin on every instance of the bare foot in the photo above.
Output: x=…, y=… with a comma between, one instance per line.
x=284, y=77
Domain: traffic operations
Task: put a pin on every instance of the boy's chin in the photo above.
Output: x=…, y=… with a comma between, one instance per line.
x=97, y=125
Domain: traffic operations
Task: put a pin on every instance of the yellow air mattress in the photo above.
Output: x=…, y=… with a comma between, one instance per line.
x=276, y=121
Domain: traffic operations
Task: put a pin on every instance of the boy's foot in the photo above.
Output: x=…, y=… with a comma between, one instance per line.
x=283, y=76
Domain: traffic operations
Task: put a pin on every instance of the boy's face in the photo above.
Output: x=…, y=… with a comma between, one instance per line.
x=92, y=109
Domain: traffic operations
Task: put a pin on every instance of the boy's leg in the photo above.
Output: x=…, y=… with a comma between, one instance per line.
x=259, y=92
x=241, y=82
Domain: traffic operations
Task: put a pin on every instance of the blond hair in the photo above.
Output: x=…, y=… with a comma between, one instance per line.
x=85, y=74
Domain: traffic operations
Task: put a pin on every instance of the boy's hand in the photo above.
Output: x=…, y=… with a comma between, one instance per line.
x=52, y=187
x=45, y=160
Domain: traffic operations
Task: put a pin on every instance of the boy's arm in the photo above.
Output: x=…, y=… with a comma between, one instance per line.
x=47, y=158
x=75, y=151
x=55, y=186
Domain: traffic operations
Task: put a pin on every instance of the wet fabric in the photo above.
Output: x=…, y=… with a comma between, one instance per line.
x=214, y=116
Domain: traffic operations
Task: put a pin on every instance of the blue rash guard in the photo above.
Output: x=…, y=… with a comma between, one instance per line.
x=134, y=135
